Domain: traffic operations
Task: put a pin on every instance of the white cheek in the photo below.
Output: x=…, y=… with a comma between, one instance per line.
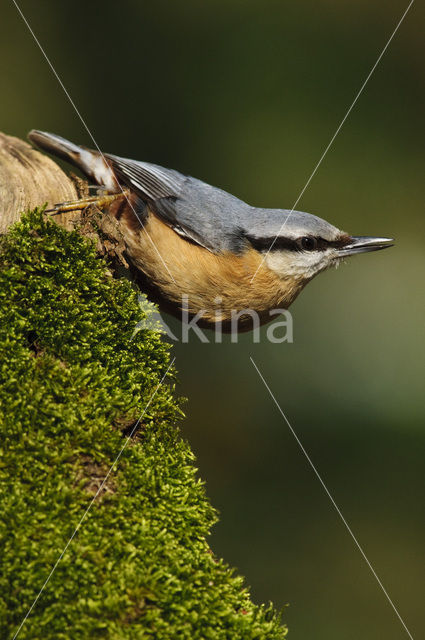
x=298, y=264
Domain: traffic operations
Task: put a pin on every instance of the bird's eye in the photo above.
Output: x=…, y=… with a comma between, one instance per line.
x=307, y=243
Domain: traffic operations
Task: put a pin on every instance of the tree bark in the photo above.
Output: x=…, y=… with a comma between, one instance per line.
x=29, y=179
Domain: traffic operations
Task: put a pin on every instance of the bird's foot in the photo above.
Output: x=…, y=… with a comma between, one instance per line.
x=100, y=201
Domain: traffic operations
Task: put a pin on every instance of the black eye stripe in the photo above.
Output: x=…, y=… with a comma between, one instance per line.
x=290, y=244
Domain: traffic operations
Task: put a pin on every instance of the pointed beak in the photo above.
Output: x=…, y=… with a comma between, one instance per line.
x=363, y=244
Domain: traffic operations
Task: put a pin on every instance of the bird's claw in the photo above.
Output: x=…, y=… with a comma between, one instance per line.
x=99, y=201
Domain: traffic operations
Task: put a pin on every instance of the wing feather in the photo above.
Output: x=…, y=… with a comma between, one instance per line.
x=158, y=186
x=149, y=180
x=200, y=213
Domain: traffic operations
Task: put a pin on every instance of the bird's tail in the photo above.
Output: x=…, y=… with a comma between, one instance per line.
x=92, y=163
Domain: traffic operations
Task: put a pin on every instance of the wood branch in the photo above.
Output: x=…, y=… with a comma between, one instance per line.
x=29, y=179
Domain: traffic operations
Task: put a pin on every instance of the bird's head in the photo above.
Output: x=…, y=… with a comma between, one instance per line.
x=299, y=245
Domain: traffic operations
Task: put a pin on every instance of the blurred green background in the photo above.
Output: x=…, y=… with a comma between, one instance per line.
x=246, y=95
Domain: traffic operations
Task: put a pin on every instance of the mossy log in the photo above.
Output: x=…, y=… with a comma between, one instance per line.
x=29, y=179
x=75, y=380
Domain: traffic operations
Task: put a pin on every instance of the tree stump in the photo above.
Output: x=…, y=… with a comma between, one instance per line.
x=29, y=179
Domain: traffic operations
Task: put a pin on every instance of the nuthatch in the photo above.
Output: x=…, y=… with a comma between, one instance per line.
x=187, y=238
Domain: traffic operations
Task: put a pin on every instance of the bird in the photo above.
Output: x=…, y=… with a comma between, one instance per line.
x=192, y=243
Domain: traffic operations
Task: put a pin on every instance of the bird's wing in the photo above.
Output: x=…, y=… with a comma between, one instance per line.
x=160, y=188
x=195, y=210
x=150, y=181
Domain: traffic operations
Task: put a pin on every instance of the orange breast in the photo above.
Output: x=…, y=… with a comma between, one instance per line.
x=213, y=283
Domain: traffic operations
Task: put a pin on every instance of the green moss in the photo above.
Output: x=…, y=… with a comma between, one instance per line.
x=71, y=381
